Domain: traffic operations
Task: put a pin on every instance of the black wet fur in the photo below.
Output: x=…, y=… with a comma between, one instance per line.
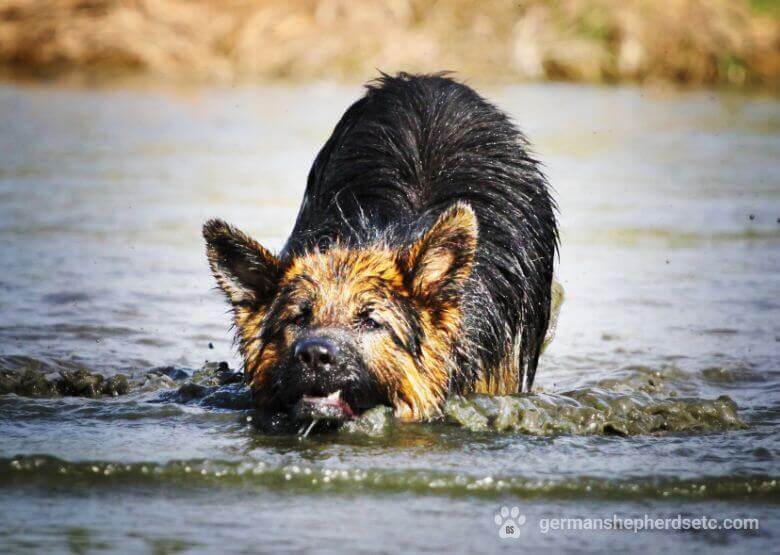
x=412, y=147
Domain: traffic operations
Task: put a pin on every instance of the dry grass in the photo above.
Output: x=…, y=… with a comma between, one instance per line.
x=713, y=42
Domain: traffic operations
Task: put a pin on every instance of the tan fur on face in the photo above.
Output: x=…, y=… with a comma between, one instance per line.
x=339, y=285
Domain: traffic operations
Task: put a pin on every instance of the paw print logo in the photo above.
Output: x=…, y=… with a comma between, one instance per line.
x=509, y=522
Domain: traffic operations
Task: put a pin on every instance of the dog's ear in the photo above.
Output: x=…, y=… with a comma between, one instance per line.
x=246, y=272
x=439, y=263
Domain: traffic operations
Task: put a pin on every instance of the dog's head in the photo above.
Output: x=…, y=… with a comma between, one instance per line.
x=359, y=327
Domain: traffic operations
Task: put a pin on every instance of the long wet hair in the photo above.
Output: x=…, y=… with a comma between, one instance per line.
x=412, y=147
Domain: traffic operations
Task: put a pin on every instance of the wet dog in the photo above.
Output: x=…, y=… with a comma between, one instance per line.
x=420, y=264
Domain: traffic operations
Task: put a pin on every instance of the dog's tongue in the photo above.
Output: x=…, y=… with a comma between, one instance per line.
x=332, y=407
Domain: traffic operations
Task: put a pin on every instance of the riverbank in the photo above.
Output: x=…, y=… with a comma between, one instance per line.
x=684, y=42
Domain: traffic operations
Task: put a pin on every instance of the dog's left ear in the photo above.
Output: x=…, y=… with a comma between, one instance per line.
x=246, y=272
x=439, y=263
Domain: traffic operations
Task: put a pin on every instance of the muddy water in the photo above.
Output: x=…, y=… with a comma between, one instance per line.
x=659, y=395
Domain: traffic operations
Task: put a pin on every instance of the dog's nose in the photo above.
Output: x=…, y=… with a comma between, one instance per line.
x=316, y=353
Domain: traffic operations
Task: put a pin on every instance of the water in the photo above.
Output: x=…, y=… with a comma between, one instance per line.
x=670, y=213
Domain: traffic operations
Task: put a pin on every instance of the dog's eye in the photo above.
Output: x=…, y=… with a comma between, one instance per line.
x=303, y=317
x=324, y=243
x=369, y=322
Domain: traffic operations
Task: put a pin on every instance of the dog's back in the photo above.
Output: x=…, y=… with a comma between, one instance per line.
x=409, y=149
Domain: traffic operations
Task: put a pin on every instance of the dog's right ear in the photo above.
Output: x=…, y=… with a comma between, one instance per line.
x=246, y=272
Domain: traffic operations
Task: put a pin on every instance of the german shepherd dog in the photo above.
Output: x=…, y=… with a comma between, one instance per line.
x=420, y=264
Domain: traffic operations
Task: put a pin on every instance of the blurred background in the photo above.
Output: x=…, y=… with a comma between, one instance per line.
x=696, y=42
x=125, y=124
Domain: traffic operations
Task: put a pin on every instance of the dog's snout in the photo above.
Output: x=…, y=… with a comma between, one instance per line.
x=317, y=353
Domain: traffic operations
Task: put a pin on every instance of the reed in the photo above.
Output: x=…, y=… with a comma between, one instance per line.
x=696, y=42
